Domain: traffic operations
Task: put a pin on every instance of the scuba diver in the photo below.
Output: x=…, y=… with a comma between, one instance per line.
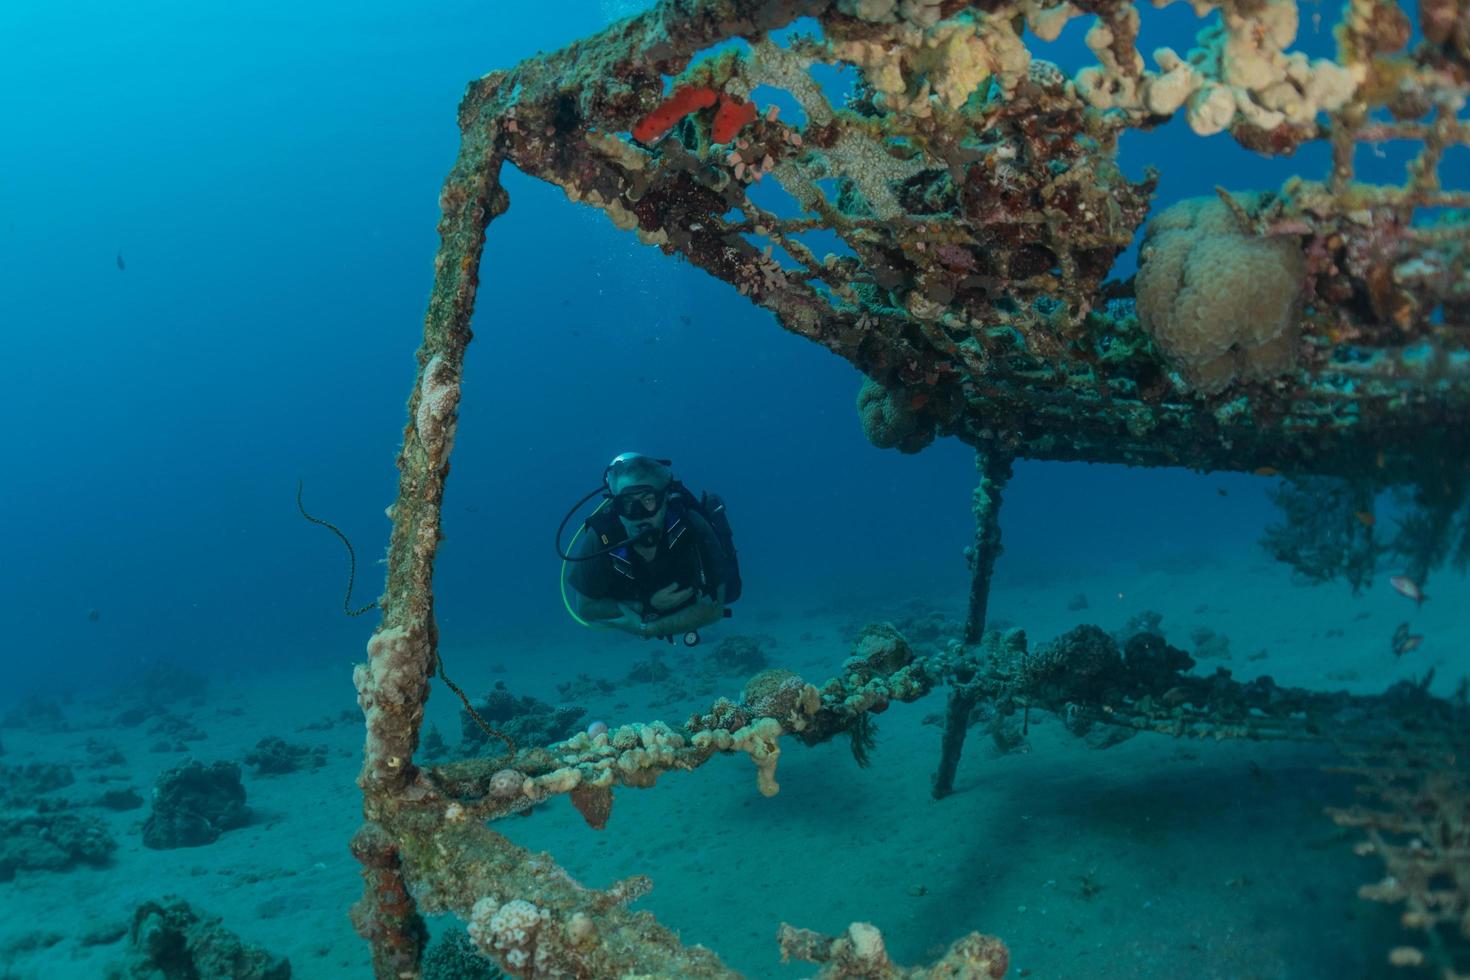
x=652, y=560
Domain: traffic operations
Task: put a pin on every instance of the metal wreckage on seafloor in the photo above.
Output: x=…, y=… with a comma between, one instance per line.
x=1319, y=328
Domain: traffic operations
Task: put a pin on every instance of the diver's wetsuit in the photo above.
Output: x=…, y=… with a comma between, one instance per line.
x=689, y=553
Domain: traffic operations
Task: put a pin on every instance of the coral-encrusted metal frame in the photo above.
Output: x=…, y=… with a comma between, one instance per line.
x=977, y=196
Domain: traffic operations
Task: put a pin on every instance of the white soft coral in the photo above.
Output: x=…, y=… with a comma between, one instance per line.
x=507, y=932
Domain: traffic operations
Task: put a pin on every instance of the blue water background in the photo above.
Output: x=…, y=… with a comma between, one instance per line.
x=270, y=173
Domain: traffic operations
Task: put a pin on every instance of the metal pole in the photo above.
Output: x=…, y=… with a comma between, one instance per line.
x=995, y=472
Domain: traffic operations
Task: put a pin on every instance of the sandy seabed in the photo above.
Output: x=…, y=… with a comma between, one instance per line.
x=1155, y=858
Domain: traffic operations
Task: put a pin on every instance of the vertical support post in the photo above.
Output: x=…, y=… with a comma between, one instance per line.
x=386, y=915
x=393, y=685
x=957, y=709
x=995, y=473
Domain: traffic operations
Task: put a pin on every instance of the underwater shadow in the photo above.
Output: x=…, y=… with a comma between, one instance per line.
x=1237, y=829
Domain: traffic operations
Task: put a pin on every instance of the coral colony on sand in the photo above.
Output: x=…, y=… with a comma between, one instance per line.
x=1317, y=328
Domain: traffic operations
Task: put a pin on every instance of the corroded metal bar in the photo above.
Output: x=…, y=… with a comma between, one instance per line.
x=962, y=700
x=393, y=685
x=995, y=473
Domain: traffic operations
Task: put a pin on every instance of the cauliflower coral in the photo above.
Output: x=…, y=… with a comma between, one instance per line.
x=887, y=423
x=509, y=932
x=1221, y=305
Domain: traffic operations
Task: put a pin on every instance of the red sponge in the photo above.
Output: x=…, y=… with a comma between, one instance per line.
x=679, y=104
x=731, y=116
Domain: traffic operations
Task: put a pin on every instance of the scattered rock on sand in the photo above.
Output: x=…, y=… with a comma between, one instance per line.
x=584, y=687
x=739, y=655
x=651, y=671
x=164, y=683
x=36, y=714
x=193, y=804
x=169, y=939
x=52, y=842
x=29, y=942
x=924, y=623
x=346, y=716
x=274, y=756
x=20, y=785
x=102, y=754
x=177, y=728
x=1146, y=623
x=527, y=720
x=104, y=934
x=1209, y=645
x=119, y=799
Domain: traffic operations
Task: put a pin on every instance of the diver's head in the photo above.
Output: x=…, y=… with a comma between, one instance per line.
x=639, y=486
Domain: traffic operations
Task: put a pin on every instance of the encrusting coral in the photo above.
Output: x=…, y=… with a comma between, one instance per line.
x=438, y=399
x=526, y=913
x=976, y=192
x=396, y=665
x=860, y=954
x=1240, y=73
x=1221, y=304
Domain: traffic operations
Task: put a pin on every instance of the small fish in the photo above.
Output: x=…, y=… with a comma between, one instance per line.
x=1365, y=517
x=686, y=319
x=1408, y=588
x=1404, y=641
x=1265, y=471
x=1222, y=491
x=121, y=265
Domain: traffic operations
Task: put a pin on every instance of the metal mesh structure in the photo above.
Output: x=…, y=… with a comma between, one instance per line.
x=950, y=231
x=971, y=208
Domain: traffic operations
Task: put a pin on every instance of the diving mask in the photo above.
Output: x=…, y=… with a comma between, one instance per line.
x=639, y=502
